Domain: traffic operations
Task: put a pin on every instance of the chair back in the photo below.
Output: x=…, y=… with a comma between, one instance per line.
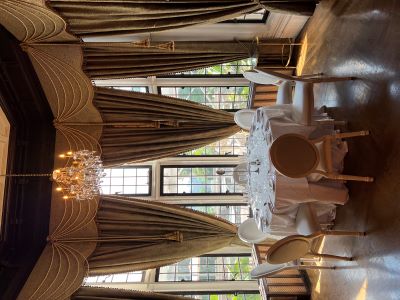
x=261, y=78
x=288, y=249
x=294, y=156
x=266, y=269
x=244, y=118
x=248, y=232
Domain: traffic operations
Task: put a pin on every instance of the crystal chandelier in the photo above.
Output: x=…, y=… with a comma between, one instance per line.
x=81, y=178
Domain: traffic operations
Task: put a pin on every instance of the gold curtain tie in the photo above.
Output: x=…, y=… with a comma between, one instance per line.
x=175, y=236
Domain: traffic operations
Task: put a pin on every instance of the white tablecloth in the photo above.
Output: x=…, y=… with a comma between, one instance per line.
x=275, y=198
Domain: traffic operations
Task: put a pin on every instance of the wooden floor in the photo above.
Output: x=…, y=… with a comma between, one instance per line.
x=362, y=38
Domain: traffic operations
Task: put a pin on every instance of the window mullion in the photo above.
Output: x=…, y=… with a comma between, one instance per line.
x=232, y=81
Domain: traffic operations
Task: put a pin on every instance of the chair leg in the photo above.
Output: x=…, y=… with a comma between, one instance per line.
x=344, y=232
x=331, y=79
x=311, y=75
x=350, y=177
x=351, y=134
x=308, y=267
x=331, y=121
x=340, y=123
x=330, y=256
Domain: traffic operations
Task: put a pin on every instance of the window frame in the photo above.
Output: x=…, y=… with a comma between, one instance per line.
x=150, y=178
x=219, y=146
x=222, y=75
x=220, y=87
x=249, y=215
x=192, y=166
x=249, y=21
x=85, y=283
x=218, y=292
x=223, y=255
x=118, y=87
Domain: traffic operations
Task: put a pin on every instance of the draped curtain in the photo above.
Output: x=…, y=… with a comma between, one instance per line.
x=151, y=234
x=110, y=17
x=124, y=60
x=140, y=127
x=96, y=293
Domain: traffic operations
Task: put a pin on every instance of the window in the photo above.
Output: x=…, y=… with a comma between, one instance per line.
x=118, y=278
x=235, y=214
x=198, y=180
x=225, y=296
x=127, y=181
x=141, y=89
x=232, y=146
x=259, y=16
x=218, y=97
x=208, y=268
x=225, y=69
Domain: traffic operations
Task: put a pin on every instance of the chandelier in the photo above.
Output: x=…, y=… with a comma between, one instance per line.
x=81, y=179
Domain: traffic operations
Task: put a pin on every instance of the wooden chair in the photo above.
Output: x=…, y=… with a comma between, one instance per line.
x=303, y=98
x=311, y=78
x=295, y=156
x=295, y=247
x=266, y=269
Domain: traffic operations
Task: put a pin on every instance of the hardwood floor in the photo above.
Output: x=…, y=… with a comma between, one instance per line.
x=361, y=38
x=27, y=200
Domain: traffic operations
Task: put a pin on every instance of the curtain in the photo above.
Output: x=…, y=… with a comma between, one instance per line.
x=297, y=7
x=124, y=60
x=96, y=293
x=110, y=17
x=152, y=234
x=139, y=127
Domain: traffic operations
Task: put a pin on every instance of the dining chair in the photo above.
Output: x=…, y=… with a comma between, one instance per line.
x=244, y=118
x=303, y=98
x=248, y=232
x=295, y=156
x=295, y=247
x=267, y=269
x=268, y=76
